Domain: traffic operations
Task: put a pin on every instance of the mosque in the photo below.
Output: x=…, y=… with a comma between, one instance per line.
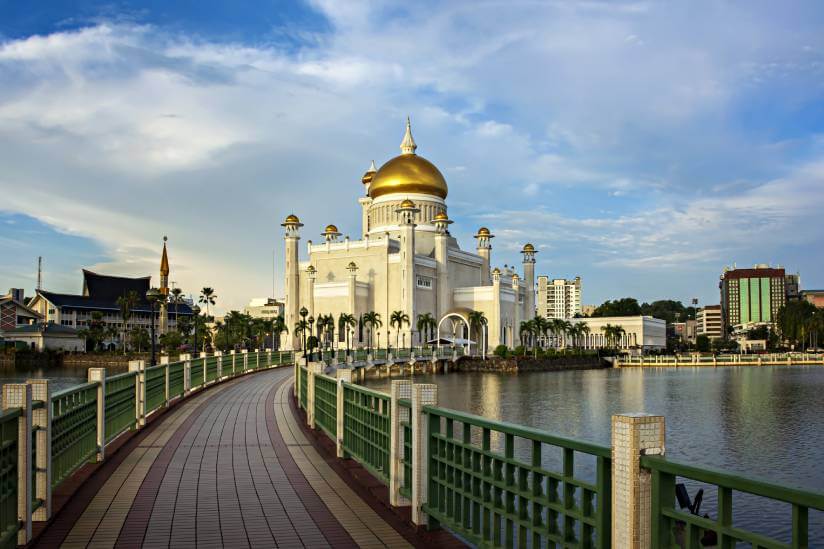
x=406, y=260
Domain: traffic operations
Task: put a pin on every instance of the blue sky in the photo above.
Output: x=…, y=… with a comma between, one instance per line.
x=638, y=144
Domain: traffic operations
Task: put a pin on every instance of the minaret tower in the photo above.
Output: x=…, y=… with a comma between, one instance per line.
x=365, y=201
x=529, y=252
x=443, y=292
x=292, y=227
x=164, y=290
x=485, y=251
x=407, y=211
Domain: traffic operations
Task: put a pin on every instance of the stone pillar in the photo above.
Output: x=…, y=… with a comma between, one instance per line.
x=41, y=420
x=98, y=375
x=344, y=376
x=292, y=279
x=139, y=366
x=18, y=395
x=633, y=435
x=187, y=373
x=401, y=388
x=311, y=272
x=314, y=369
x=423, y=394
x=245, y=354
x=219, y=355
x=164, y=361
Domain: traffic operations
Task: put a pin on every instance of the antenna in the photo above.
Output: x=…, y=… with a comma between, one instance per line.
x=274, y=252
x=39, y=272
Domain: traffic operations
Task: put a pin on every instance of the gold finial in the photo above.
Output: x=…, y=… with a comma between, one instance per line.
x=164, y=260
x=408, y=145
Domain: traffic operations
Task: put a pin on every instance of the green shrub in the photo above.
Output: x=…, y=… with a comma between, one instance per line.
x=501, y=351
x=520, y=350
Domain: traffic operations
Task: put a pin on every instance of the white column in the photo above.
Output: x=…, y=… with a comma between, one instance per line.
x=139, y=366
x=344, y=376
x=423, y=394
x=18, y=395
x=633, y=435
x=401, y=388
x=245, y=355
x=99, y=375
x=219, y=366
x=187, y=373
x=41, y=420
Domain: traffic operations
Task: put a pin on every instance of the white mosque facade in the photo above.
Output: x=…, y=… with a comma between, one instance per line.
x=406, y=260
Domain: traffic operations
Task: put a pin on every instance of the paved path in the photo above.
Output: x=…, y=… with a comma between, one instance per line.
x=227, y=468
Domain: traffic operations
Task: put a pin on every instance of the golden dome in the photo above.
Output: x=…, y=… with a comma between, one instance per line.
x=441, y=216
x=496, y=271
x=529, y=248
x=291, y=219
x=408, y=173
x=483, y=231
x=407, y=204
x=370, y=173
x=331, y=229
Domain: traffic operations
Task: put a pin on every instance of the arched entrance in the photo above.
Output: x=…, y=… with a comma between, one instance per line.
x=454, y=325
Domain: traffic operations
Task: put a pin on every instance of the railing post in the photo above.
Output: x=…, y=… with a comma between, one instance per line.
x=219, y=365
x=245, y=355
x=633, y=435
x=18, y=395
x=401, y=388
x=344, y=376
x=187, y=373
x=41, y=420
x=139, y=366
x=164, y=361
x=314, y=368
x=98, y=375
x=423, y=394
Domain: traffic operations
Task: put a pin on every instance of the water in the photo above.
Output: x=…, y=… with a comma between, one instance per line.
x=764, y=422
x=61, y=377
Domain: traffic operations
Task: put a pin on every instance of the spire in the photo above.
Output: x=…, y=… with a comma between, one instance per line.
x=164, y=260
x=372, y=168
x=408, y=145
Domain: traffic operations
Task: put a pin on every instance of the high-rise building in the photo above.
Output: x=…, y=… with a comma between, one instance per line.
x=708, y=320
x=752, y=296
x=558, y=297
x=816, y=297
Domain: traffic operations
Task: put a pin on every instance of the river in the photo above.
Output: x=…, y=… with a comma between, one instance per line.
x=765, y=422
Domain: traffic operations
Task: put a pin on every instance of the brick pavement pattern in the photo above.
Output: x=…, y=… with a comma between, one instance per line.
x=229, y=468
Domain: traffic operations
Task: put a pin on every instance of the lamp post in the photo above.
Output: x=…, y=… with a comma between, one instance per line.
x=303, y=312
x=311, y=330
x=227, y=325
x=196, y=311
x=153, y=296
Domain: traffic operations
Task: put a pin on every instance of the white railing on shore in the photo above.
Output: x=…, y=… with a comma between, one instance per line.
x=769, y=359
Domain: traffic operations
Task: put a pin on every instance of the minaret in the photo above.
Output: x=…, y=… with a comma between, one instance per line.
x=496, y=320
x=529, y=252
x=485, y=251
x=407, y=211
x=292, y=227
x=353, y=288
x=442, y=295
x=164, y=290
x=516, y=318
x=311, y=273
x=365, y=201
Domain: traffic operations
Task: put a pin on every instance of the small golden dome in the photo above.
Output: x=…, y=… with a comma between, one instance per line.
x=291, y=219
x=528, y=248
x=331, y=229
x=407, y=204
x=352, y=266
x=483, y=231
x=441, y=216
x=370, y=173
x=496, y=271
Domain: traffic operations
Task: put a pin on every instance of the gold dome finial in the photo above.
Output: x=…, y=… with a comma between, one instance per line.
x=408, y=145
x=164, y=260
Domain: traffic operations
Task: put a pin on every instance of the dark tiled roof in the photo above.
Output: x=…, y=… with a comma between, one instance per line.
x=49, y=329
x=105, y=287
x=83, y=302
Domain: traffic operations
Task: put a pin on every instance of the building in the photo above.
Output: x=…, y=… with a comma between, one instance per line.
x=558, y=297
x=406, y=260
x=708, y=320
x=14, y=312
x=751, y=297
x=816, y=297
x=641, y=333
x=587, y=310
x=47, y=337
x=685, y=331
x=266, y=308
x=100, y=294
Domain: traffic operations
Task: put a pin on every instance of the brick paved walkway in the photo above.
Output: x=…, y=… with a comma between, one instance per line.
x=230, y=468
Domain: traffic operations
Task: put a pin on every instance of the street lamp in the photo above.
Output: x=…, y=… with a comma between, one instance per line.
x=311, y=333
x=227, y=325
x=303, y=312
x=196, y=311
x=153, y=296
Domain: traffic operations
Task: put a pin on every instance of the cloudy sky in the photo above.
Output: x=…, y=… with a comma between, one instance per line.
x=640, y=145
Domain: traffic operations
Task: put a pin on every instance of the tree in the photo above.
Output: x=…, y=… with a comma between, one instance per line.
x=126, y=303
x=702, y=343
x=278, y=327
x=477, y=320
x=139, y=338
x=627, y=306
x=426, y=324
x=346, y=321
x=373, y=320
x=176, y=298
x=170, y=341
x=397, y=320
x=207, y=297
x=800, y=322
x=95, y=331
x=301, y=327
x=527, y=331
x=612, y=334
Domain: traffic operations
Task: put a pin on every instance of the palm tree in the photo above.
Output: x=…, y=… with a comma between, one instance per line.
x=346, y=321
x=525, y=331
x=477, y=321
x=612, y=334
x=398, y=319
x=583, y=331
x=176, y=298
x=126, y=303
x=373, y=320
x=541, y=326
x=278, y=327
x=426, y=323
x=207, y=297
x=302, y=326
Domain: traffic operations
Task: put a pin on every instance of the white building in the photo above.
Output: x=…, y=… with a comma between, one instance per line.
x=266, y=308
x=51, y=337
x=558, y=297
x=406, y=260
x=709, y=322
x=640, y=333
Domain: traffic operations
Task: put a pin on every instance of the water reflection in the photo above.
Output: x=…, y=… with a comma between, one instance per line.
x=764, y=422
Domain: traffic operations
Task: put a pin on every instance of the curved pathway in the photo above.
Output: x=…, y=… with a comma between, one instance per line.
x=229, y=467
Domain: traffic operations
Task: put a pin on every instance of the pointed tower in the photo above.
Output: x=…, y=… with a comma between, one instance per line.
x=365, y=201
x=529, y=252
x=406, y=212
x=164, y=290
x=292, y=227
x=408, y=145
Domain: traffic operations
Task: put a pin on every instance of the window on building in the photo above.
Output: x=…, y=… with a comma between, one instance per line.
x=424, y=282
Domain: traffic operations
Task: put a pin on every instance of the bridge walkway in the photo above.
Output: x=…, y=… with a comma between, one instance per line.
x=229, y=467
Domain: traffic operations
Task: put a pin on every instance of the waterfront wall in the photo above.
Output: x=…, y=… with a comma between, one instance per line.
x=529, y=364
x=772, y=359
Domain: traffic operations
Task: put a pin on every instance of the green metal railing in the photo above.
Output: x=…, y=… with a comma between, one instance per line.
x=406, y=427
x=303, y=381
x=9, y=524
x=366, y=427
x=665, y=517
x=155, y=387
x=74, y=429
x=226, y=365
x=196, y=372
x=121, y=410
x=176, y=383
x=211, y=368
x=499, y=499
x=361, y=354
x=326, y=405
